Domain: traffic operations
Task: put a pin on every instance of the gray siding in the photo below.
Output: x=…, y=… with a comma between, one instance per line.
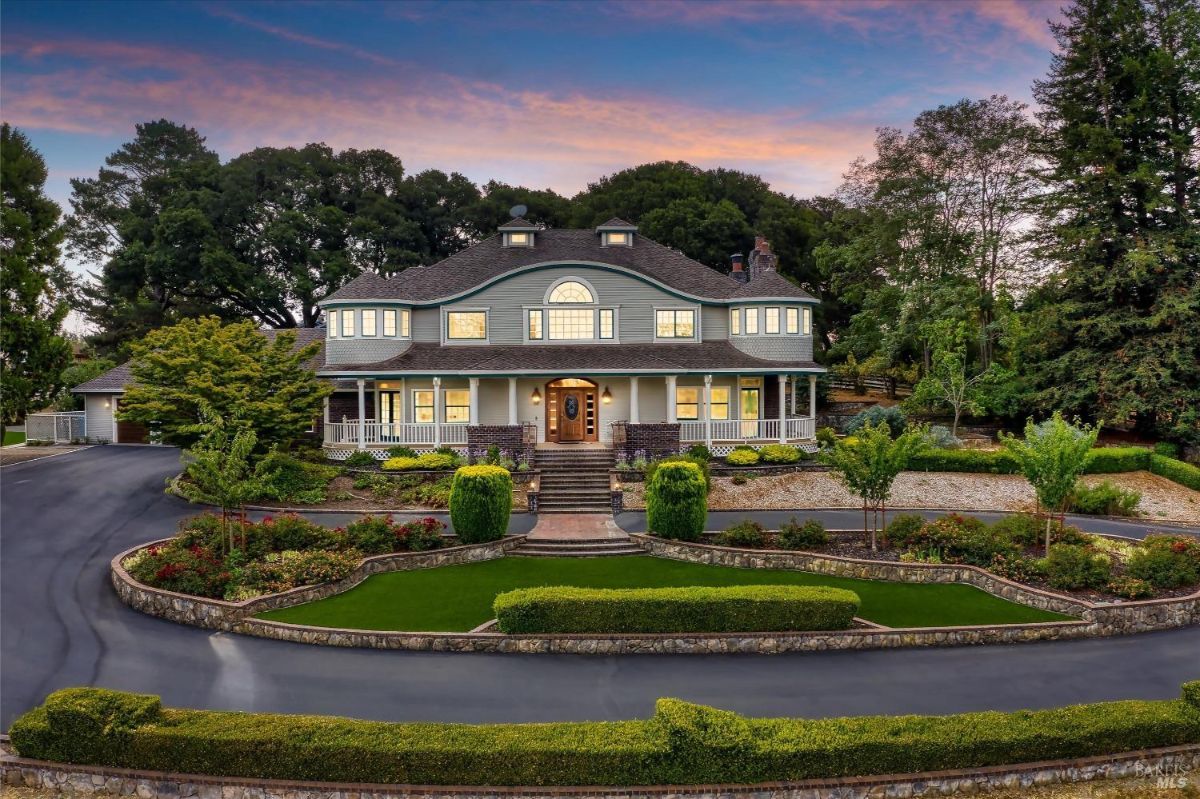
x=775, y=347
x=99, y=417
x=426, y=324
x=363, y=350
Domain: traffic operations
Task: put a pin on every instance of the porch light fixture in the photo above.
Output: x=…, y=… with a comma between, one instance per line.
x=537, y=397
x=606, y=396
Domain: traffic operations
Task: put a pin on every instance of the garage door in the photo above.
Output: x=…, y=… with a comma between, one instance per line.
x=132, y=433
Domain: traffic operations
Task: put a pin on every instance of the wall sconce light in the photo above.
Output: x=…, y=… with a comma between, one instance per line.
x=537, y=397
x=606, y=396
x=106, y=403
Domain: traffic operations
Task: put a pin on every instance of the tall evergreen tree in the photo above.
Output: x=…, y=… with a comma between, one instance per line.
x=33, y=352
x=1120, y=340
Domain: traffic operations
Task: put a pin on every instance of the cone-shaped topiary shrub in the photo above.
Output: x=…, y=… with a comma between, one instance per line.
x=677, y=501
x=480, y=501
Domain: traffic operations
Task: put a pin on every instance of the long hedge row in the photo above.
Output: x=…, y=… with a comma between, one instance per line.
x=1102, y=460
x=680, y=744
x=694, y=609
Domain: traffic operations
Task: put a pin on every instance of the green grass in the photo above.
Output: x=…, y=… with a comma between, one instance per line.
x=13, y=437
x=458, y=598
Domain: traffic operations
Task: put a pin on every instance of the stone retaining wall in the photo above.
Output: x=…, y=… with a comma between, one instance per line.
x=62, y=779
x=1103, y=619
x=217, y=614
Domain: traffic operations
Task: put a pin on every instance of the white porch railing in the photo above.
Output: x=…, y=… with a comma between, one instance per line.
x=387, y=433
x=796, y=429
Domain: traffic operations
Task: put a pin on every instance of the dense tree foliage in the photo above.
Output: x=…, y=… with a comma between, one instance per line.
x=32, y=284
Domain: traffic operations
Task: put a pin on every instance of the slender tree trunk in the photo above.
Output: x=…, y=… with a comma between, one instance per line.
x=1049, y=521
x=866, y=530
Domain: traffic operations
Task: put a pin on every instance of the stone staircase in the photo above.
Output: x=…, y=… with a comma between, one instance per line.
x=574, y=481
x=575, y=548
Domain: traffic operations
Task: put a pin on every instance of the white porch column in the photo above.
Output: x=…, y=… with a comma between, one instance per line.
x=325, y=420
x=812, y=399
x=783, y=409
x=473, y=384
x=671, y=398
x=437, y=412
x=362, y=413
x=795, y=384
x=634, y=404
x=708, y=411
x=512, y=401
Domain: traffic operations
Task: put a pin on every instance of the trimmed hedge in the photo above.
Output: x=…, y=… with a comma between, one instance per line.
x=677, y=501
x=681, y=744
x=480, y=502
x=694, y=609
x=1176, y=471
x=965, y=460
x=1111, y=460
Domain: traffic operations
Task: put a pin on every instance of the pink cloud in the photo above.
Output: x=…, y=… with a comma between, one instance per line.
x=300, y=38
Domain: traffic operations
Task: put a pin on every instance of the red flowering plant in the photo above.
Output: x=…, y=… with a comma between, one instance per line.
x=420, y=535
x=191, y=569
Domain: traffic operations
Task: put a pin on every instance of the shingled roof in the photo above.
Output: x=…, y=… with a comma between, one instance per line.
x=116, y=379
x=489, y=259
x=430, y=358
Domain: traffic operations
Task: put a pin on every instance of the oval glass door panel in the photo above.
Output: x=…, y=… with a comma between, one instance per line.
x=571, y=406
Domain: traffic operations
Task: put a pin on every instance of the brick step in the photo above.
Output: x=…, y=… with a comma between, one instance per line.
x=570, y=543
x=575, y=507
x=532, y=552
x=596, y=483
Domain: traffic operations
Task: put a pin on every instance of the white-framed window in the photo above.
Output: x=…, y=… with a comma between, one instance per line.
x=535, y=324
x=772, y=321
x=567, y=324
x=617, y=238
x=458, y=406
x=687, y=403
x=518, y=239
x=423, y=406
x=466, y=325
x=347, y=323
x=389, y=322
x=719, y=408
x=735, y=321
x=331, y=323
x=607, y=323
x=751, y=321
x=807, y=329
x=571, y=292
x=369, y=326
x=675, y=323
x=793, y=320
x=405, y=323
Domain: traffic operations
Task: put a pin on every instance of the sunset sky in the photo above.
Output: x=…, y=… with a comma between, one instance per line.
x=544, y=94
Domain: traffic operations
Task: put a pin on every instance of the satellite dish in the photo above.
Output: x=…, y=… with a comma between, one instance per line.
x=517, y=211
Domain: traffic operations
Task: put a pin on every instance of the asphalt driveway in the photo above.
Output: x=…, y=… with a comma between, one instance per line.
x=61, y=624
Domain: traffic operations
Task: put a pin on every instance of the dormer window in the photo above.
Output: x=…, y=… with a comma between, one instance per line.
x=517, y=233
x=617, y=238
x=616, y=233
x=518, y=239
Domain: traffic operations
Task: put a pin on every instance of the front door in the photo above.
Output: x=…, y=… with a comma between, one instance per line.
x=571, y=414
x=390, y=414
x=749, y=409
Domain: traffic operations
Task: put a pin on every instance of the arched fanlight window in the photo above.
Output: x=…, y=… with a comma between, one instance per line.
x=571, y=291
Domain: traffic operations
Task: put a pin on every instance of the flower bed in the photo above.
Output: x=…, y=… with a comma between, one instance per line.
x=236, y=561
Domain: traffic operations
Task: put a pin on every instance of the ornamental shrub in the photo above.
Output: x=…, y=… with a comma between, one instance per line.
x=826, y=437
x=779, y=453
x=401, y=452
x=809, y=535
x=480, y=503
x=700, y=451
x=360, y=458
x=1104, y=499
x=1176, y=470
x=1166, y=561
x=1167, y=449
x=1075, y=567
x=435, y=461
x=677, y=501
x=401, y=464
x=902, y=530
x=1024, y=529
x=372, y=535
x=1131, y=588
x=893, y=417
x=421, y=535
x=940, y=437
x=283, y=478
x=743, y=608
x=742, y=457
x=705, y=467
x=1110, y=460
x=747, y=533
x=954, y=538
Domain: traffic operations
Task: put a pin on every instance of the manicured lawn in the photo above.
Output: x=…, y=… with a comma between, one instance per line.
x=13, y=437
x=458, y=598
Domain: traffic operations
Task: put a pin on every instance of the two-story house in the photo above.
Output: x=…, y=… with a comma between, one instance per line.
x=562, y=337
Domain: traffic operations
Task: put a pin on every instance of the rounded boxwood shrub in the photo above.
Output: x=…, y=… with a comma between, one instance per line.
x=779, y=453
x=400, y=464
x=1166, y=561
x=696, y=609
x=748, y=533
x=705, y=466
x=360, y=458
x=810, y=534
x=742, y=457
x=480, y=502
x=1075, y=567
x=677, y=501
x=903, y=529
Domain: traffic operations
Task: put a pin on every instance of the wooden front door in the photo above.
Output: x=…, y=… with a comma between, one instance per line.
x=571, y=404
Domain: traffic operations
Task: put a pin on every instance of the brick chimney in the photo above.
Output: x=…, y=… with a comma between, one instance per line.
x=761, y=258
x=738, y=272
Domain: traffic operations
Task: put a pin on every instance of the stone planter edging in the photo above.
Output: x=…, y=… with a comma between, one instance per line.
x=121, y=783
x=219, y=614
x=1104, y=619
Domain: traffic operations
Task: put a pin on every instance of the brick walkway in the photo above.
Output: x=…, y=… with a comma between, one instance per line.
x=576, y=526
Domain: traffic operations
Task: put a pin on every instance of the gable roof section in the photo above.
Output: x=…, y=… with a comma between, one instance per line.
x=116, y=379
x=489, y=259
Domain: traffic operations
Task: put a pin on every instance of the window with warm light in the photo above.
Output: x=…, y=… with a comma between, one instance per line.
x=535, y=325
x=614, y=238
x=735, y=321
x=458, y=406
x=772, y=320
x=347, y=323
x=687, y=403
x=368, y=324
x=466, y=325
x=719, y=408
x=332, y=324
x=607, y=326
x=422, y=406
x=406, y=323
x=675, y=324
x=807, y=322
x=571, y=292
x=518, y=239
x=751, y=321
x=793, y=320
x=389, y=323
x=571, y=323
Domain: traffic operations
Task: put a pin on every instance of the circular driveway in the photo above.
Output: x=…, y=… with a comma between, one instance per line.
x=61, y=624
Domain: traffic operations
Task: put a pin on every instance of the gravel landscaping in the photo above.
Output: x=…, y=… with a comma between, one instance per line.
x=1162, y=499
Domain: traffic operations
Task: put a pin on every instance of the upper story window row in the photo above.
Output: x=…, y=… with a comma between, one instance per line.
x=368, y=323
x=771, y=320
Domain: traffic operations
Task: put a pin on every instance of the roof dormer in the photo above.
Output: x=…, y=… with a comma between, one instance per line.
x=518, y=232
x=616, y=233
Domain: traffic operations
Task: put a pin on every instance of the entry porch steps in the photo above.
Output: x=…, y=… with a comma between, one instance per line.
x=574, y=481
x=576, y=548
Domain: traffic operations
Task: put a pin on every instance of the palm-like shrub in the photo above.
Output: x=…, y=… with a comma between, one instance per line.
x=480, y=502
x=677, y=501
